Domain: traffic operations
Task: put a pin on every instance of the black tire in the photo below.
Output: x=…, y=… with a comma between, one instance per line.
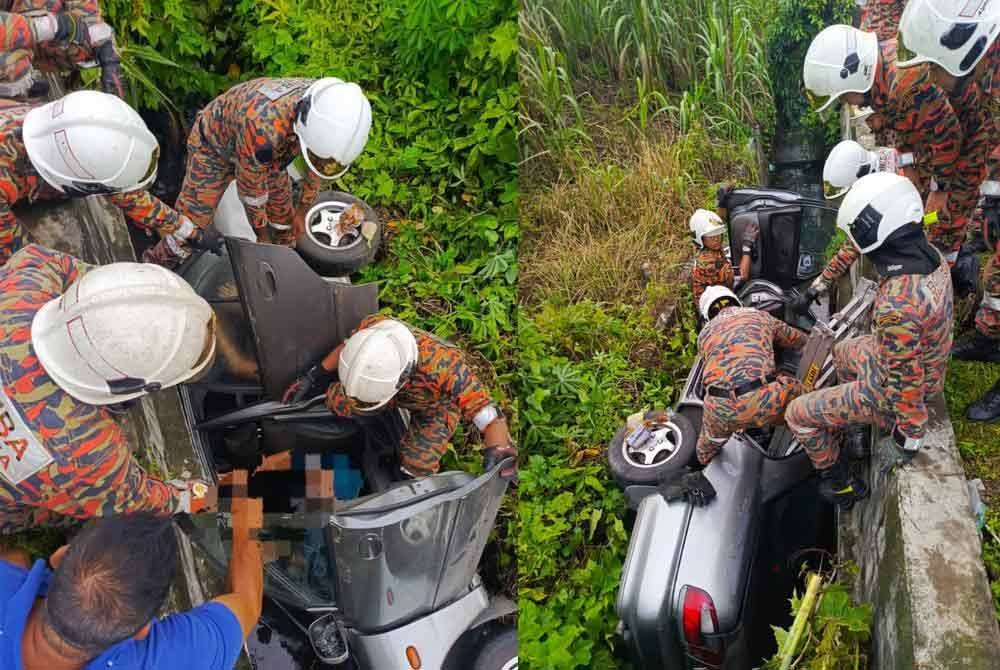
x=499, y=650
x=626, y=472
x=339, y=261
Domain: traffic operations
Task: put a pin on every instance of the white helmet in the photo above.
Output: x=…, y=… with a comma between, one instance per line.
x=703, y=224
x=89, y=143
x=841, y=59
x=716, y=298
x=847, y=162
x=877, y=206
x=123, y=330
x=951, y=33
x=376, y=361
x=332, y=123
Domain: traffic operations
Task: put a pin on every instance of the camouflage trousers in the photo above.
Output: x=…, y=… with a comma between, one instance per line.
x=724, y=416
x=18, y=50
x=426, y=441
x=205, y=179
x=816, y=417
x=988, y=315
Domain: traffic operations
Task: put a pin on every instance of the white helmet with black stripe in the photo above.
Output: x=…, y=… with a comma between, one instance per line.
x=877, y=206
x=89, y=143
x=841, y=59
x=123, y=330
x=953, y=34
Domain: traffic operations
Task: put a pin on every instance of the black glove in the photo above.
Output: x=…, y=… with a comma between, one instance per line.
x=722, y=194
x=112, y=79
x=802, y=303
x=494, y=455
x=300, y=389
x=689, y=485
x=991, y=221
x=208, y=239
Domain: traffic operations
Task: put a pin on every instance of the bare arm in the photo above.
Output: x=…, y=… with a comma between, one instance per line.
x=245, y=580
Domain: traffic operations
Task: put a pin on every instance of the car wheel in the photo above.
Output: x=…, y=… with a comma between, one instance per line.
x=671, y=448
x=499, y=650
x=327, y=251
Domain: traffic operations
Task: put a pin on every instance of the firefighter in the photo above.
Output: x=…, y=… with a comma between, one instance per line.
x=944, y=35
x=253, y=131
x=846, y=63
x=387, y=364
x=848, y=162
x=881, y=17
x=711, y=265
x=885, y=377
x=56, y=35
x=741, y=387
x=87, y=143
x=956, y=39
x=78, y=344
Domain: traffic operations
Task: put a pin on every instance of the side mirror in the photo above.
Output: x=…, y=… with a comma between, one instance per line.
x=329, y=639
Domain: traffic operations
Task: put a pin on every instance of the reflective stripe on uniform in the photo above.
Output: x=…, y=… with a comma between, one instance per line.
x=254, y=201
x=991, y=302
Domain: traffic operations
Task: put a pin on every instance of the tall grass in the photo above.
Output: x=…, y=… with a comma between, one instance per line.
x=705, y=56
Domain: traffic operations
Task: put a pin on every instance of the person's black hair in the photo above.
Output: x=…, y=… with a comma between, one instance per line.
x=112, y=580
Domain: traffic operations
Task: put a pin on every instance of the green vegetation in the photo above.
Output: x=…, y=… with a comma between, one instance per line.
x=632, y=113
x=835, y=637
x=979, y=445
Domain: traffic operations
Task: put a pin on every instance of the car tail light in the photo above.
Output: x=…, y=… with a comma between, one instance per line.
x=701, y=627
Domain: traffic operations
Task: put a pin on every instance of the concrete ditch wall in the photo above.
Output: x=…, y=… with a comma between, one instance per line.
x=918, y=549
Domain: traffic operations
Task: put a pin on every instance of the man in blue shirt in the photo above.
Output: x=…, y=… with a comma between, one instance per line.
x=97, y=608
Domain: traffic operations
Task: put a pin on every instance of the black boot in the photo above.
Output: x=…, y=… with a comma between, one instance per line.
x=977, y=347
x=839, y=487
x=857, y=442
x=986, y=408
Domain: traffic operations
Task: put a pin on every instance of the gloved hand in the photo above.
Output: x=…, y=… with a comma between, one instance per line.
x=112, y=78
x=750, y=235
x=194, y=496
x=208, y=239
x=991, y=221
x=902, y=449
x=314, y=378
x=496, y=453
x=802, y=303
x=166, y=253
x=722, y=193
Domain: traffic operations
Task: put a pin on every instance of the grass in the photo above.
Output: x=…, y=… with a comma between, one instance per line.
x=979, y=444
x=586, y=235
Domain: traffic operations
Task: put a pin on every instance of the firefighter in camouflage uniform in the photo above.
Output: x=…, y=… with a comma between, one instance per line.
x=386, y=364
x=886, y=377
x=57, y=35
x=252, y=132
x=77, y=344
x=844, y=62
x=959, y=40
x=60, y=150
x=711, y=264
x=741, y=387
